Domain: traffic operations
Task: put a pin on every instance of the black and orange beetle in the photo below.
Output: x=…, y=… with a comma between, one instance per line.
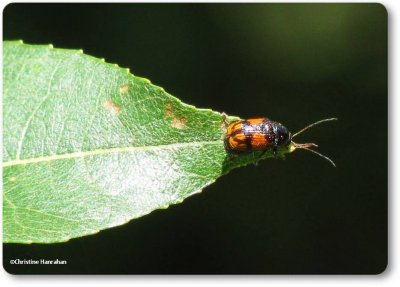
x=262, y=134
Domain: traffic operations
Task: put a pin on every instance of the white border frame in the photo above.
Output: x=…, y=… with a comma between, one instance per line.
x=391, y=276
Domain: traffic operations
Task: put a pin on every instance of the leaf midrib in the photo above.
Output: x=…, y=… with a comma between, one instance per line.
x=82, y=154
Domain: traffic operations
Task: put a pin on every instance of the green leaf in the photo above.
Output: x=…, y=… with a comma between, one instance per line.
x=88, y=146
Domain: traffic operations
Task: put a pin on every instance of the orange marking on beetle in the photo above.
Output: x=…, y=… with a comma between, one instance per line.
x=259, y=142
x=234, y=128
x=237, y=144
x=256, y=121
x=239, y=137
x=111, y=107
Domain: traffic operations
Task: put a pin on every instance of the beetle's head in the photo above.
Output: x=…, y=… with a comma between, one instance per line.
x=282, y=135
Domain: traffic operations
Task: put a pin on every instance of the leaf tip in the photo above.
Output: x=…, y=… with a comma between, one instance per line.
x=51, y=46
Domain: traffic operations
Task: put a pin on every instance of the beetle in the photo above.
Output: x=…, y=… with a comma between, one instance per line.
x=263, y=134
x=257, y=134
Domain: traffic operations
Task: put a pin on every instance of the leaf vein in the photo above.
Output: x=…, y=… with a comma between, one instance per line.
x=82, y=154
x=30, y=118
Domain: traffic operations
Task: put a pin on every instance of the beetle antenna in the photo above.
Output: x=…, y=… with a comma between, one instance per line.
x=313, y=124
x=307, y=146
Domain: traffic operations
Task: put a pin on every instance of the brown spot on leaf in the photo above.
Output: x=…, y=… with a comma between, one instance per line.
x=168, y=110
x=124, y=89
x=179, y=123
x=113, y=108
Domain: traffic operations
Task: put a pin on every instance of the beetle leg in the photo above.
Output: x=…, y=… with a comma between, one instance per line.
x=274, y=151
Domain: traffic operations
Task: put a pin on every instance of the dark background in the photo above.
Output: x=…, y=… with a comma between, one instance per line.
x=294, y=63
